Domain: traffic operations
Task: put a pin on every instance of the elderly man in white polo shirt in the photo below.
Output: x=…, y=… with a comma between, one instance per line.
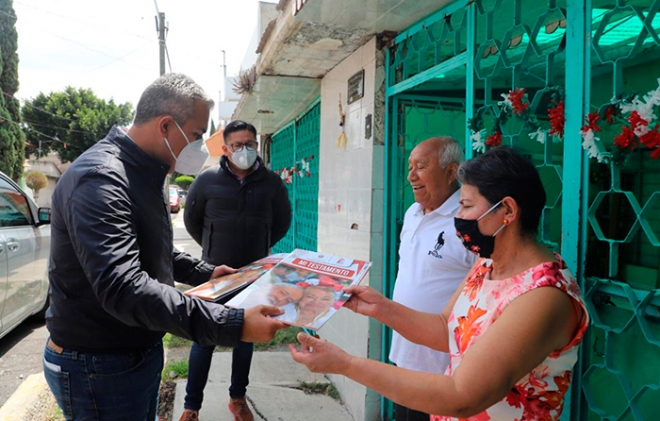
x=433, y=260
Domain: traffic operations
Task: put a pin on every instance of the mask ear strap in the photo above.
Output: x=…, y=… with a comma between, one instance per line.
x=181, y=130
x=499, y=229
x=489, y=210
x=167, y=143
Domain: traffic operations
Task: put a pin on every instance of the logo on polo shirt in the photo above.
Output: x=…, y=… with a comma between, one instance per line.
x=436, y=249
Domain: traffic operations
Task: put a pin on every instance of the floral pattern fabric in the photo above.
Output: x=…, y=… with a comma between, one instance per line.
x=539, y=396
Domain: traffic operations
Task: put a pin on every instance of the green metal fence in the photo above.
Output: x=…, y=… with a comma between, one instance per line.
x=283, y=156
x=295, y=149
x=604, y=218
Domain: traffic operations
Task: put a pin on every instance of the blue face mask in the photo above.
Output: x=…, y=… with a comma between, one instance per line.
x=473, y=240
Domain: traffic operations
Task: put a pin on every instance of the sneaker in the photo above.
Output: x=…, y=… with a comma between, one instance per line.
x=189, y=415
x=240, y=409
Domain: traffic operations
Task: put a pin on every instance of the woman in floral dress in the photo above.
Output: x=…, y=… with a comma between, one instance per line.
x=512, y=328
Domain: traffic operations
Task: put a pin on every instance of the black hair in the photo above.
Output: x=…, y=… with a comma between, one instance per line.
x=503, y=172
x=238, y=126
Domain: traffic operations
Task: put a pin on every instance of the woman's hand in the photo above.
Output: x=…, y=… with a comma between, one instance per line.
x=320, y=356
x=365, y=300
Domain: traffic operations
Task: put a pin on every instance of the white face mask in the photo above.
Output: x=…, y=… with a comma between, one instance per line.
x=244, y=158
x=193, y=156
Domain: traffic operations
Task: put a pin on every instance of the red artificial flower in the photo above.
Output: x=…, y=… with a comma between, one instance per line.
x=656, y=153
x=557, y=119
x=610, y=112
x=636, y=120
x=517, y=97
x=495, y=139
x=652, y=141
x=591, y=120
x=625, y=139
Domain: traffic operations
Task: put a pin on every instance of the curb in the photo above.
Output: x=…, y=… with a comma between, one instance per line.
x=25, y=398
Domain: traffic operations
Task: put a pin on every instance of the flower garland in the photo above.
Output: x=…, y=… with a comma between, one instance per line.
x=300, y=168
x=641, y=130
x=515, y=103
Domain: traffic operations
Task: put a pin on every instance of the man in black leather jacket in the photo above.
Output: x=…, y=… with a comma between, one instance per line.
x=236, y=211
x=113, y=265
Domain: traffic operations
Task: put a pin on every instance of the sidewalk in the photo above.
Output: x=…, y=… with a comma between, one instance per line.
x=272, y=394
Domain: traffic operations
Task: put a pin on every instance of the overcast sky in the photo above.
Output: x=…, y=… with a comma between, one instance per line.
x=112, y=46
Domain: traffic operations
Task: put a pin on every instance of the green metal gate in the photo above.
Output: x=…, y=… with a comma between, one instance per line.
x=295, y=156
x=458, y=65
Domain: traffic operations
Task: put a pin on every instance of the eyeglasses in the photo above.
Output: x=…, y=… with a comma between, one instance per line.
x=237, y=147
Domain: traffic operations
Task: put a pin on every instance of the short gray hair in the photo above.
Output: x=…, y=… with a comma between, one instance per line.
x=450, y=151
x=174, y=94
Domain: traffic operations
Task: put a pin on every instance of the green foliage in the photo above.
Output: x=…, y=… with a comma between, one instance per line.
x=174, y=370
x=76, y=117
x=282, y=337
x=173, y=341
x=36, y=180
x=12, y=138
x=184, y=181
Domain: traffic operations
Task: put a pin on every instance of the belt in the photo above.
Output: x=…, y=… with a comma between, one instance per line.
x=54, y=347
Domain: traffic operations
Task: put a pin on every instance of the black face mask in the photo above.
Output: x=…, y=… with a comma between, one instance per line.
x=473, y=240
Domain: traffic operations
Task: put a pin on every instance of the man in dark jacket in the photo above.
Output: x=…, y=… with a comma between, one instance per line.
x=236, y=211
x=113, y=265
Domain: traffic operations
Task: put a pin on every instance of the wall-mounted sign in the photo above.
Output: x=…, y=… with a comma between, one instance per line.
x=355, y=87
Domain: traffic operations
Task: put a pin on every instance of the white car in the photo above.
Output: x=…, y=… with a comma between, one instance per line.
x=24, y=252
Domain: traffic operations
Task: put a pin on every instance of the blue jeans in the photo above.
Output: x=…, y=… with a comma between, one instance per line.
x=99, y=387
x=199, y=365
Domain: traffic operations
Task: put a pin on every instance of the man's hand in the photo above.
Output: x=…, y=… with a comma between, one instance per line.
x=319, y=356
x=222, y=270
x=258, y=327
x=365, y=300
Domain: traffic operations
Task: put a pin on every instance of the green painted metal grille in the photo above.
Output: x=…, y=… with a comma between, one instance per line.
x=297, y=146
x=620, y=364
x=308, y=135
x=613, y=245
x=282, y=156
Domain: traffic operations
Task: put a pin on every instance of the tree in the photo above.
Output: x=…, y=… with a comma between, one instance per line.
x=36, y=180
x=12, y=138
x=184, y=181
x=70, y=122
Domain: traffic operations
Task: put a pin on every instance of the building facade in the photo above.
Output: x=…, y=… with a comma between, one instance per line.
x=571, y=84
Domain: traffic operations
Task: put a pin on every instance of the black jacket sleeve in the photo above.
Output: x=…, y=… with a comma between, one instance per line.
x=105, y=244
x=189, y=270
x=281, y=213
x=193, y=213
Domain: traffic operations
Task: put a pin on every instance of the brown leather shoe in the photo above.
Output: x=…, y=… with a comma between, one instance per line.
x=240, y=409
x=189, y=415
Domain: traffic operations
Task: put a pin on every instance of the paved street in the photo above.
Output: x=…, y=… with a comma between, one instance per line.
x=182, y=240
x=21, y=350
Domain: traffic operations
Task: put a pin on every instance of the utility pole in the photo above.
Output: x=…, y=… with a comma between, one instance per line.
x=224, y=85
x=160, y=27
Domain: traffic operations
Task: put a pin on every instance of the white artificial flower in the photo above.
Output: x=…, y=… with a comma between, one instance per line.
x=507, y=101
x=477, y=140
x=589, y=144
x=538, y=135
x=641, y=130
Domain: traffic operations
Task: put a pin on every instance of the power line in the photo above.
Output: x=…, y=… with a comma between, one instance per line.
x=86, y=22
x=43, y=134
x=85, y=46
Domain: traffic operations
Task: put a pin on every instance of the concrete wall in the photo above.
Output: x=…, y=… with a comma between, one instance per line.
x=351, y=207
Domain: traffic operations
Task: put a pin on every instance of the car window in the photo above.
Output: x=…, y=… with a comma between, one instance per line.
x=14, y=209
x=174, y=193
